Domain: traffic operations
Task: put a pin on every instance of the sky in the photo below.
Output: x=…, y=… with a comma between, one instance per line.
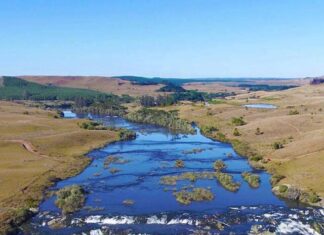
x=165, y=38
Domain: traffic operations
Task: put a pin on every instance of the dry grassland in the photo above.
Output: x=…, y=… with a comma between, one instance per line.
x=36, y=150
x=104, y=84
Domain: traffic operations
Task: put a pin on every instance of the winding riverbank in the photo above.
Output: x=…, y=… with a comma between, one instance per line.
x=287, y=141
x=154, y=208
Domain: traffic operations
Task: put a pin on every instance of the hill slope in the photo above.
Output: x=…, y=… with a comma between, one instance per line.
x=103, y=84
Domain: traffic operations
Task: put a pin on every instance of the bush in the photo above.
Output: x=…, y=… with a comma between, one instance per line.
x=227, y=182
x=252, y=179
x=275, y=179
x=256, y=158
x=221, y=137
x=179, y=164
x=197, y=194
x=125, y=134
x=293, y=112
x=162, y=118
x=277, y=145
x=219, y=165
x=282, y=188
x=70, y=199
x=313, y=197
x=208, y=129
x=238, y=121
x=236, y=132
x=92, y=126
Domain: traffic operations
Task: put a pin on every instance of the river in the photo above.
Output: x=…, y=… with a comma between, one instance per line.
x=155, y=209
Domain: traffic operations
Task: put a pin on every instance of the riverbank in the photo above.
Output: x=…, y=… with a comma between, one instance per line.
x=38, y=149
x=287, y=141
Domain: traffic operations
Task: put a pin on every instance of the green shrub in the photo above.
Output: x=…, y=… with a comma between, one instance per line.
x=125, y=134
x=70, y=198
x=197, y=194
x=238, y=121
x=252, y=179
x=313, y=197
x=219, y=165
x=256, y=158
x=208, y=129
x=236, y=132
x=162, y=118
x=92, y=126
x=226, y=180
x=283, y=188
x=293, y=112
x=277, y=145
x=275, y=179
x=221, y=137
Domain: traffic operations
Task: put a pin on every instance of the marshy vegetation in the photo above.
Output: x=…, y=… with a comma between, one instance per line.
x=193, y=151
x=197, y=194
x=162, y=118
x=227, y=181
x=252, y=179
x=70, y=199
x=114, y=160
x=219, y=165
x=123, y=134
x=179, y=163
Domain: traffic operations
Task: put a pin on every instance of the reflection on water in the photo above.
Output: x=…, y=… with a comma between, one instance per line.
x=151, y=156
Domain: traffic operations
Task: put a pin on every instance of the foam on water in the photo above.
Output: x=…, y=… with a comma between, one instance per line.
x=290, y=226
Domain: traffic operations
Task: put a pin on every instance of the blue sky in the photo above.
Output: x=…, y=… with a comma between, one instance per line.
x=168, y=38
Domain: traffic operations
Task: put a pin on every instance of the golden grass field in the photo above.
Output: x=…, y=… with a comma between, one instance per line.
x=301, y=160
x=104, y=84
x=36, y=149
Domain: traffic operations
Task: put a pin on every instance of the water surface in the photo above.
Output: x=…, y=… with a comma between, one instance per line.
x=155, y=211
x=260, y=106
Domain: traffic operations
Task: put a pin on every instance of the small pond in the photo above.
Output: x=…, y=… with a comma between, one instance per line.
x=69, y=114
x=260, y=106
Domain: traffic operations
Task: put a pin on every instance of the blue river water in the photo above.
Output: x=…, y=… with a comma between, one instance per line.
x=155, y=210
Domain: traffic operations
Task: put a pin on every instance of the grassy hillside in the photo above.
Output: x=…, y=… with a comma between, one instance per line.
x=102, y=84
x=36, y=149
x=15, y=88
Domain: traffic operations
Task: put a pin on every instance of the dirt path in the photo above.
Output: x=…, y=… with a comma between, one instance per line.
x=28, y=146
x=292, y=126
